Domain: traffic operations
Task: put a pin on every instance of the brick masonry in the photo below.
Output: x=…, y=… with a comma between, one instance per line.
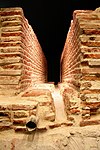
x=22, y=62
x=23, y=75
x=15, y=112
x=80, y=63
x=24, y=91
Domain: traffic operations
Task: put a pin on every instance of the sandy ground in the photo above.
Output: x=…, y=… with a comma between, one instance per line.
x=62, y=138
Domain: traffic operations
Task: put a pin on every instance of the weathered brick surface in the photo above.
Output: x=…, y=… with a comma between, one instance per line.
x=22, y=61
x=16, y=111
x=23, y=65
x=70, y=59
x=80, y=64
x=90, y=86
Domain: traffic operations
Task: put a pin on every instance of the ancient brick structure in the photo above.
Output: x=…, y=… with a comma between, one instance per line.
x=80, y=63
x=22, y=62
x=27, y=98
x=23, y=74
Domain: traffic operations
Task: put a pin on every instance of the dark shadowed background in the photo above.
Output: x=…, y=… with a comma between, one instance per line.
x=50, y=20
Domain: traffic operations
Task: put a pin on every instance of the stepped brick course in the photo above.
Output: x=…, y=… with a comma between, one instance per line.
x=22, y=62
x=26, y=97
x=23, y=73
x=24, y=92
x=80, y=63
x=15, y=112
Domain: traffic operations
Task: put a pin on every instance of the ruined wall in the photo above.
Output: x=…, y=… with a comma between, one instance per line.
x=23, y=65
x=90, y=66
x=24, y=93
x=22, y=62
x=80, y=67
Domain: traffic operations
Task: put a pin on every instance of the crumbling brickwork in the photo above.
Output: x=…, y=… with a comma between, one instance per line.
x=22, y=62
x=15, y=112
x=80, y=63
x=23, y=74
x=74, y=102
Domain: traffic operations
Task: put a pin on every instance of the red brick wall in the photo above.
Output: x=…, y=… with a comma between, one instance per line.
x=70, y=59
x=22, y=62
x=80, y=62
x=90, y=66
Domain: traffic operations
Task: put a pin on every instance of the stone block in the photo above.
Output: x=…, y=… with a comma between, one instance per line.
x=11, y=23
x=10, y=90
x=10, y=60
x=13, y=66
x=10, y=29
x=21, y=129
x=5, y=115
x=23, y=106
x=10, y=72
x=91, y=56
x=89, y=49
x=90, y=71
x=90, y=25
x=11, y=18
x=20, y=114
x=90, y=91
x=10, y=49
x=95, y=77
x=6, y=125
x=94, y=63
x=75, y=111
x=11, y=39
x=19, y=121
x=89, y=122
x=10, y=44
x=50, y=116
x=90, y=31
x=36, y=92
x=7, y=80
x=91, y=85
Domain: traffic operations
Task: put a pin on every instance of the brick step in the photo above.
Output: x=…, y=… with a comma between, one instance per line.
x=90, y=71
x=11, y=49
x=10, y=39
x=10, y=60
x=90, y=31
x=89, y=49
x=7, y=80
x=90, y=40
x=11, y=18
x=95, y=77
x=10, y=72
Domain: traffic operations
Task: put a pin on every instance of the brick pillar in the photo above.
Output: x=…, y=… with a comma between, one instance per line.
x=22, y=62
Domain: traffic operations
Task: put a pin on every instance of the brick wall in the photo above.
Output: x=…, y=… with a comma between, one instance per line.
x=22, y=62
x=70, y=59
x=90, y=66
x=80, y=64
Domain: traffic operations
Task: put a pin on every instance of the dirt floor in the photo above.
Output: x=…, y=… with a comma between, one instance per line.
x=61, y=138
